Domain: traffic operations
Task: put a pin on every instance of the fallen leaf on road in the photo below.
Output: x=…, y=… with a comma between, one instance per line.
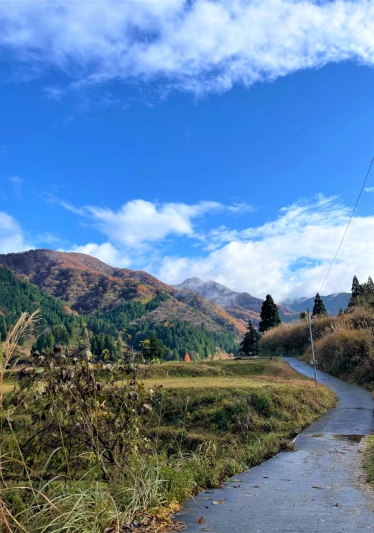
x=200, y=520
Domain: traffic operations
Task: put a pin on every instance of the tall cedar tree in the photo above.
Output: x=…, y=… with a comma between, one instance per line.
x=249, y=344
x=319, y=308
x=156, y=348
x=269, y=315
x=356, y=287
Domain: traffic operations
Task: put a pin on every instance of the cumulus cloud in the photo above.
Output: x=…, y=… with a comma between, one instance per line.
x=139, y=222
x=12, y=238
x=287, y=257
x=201, y=46
x=105, y=252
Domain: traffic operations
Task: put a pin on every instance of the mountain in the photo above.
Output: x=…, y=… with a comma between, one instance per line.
x=85, y=282
x=240, y=305
x=116, y=299
x=333, y=302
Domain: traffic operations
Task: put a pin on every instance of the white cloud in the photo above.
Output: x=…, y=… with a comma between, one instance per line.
x=287, y=257
x=369, y=189
x=105, y=252
x=139, y=222
x=11, y=235
x=201, y=46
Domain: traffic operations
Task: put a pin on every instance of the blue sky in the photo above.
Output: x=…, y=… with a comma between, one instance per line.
x=226, y=140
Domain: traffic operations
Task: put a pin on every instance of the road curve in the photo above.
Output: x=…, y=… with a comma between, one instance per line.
x=318, y=488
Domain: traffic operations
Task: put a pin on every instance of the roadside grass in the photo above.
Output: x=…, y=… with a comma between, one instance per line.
x=209, y=421
x=369, y=459
x=344, y=345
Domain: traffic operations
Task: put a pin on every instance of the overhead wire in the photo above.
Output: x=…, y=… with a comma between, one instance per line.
x=349, y=223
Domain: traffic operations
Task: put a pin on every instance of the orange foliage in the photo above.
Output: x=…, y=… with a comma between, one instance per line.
x=187, y=358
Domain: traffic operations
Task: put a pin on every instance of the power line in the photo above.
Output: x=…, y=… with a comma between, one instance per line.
x=349, y=222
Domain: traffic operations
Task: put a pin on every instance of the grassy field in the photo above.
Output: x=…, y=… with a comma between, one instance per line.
x=219, y=374
x=269, y=392
x=208, y=421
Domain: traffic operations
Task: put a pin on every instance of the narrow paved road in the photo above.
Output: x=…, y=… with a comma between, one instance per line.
x=318, y=488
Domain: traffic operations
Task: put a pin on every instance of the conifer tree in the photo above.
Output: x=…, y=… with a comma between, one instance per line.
x=370, y=286
x=356, y=287
x=319, y=308
x=249, y=344
x=269, y=315
x=155, y=348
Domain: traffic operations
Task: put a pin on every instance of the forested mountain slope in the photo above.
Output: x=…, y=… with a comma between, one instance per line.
x=84, y=281
x=17, y=296
x=114, y=301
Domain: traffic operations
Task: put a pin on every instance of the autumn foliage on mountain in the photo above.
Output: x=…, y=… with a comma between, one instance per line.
x=117, y=300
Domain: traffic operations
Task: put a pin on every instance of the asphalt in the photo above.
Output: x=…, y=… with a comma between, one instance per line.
x=318, y=488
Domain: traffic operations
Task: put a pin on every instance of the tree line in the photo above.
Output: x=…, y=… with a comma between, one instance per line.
x=361, y=294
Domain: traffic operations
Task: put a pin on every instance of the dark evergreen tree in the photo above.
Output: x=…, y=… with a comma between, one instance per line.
x=303, y=316
x=2, y=327
x=269, y=315
x=319, y=308
x=249, y=344
x=369, y=286
x=156, y=348
x=356, y=287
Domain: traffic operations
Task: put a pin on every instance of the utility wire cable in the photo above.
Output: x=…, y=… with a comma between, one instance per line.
x=349, y=222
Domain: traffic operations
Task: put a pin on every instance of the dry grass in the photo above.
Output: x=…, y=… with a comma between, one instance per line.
x=6, y=387
x=344, y=345
x=220, y=382
x=218, y=374
x=243, y=368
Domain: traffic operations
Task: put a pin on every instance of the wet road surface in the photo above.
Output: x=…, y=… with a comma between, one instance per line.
x=318, y=488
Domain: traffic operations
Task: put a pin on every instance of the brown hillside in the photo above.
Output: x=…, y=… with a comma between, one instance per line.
x=86, y=283
x=83, y=281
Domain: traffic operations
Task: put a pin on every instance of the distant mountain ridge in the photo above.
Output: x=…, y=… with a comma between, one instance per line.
x=239, y=304
x=333, y=302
